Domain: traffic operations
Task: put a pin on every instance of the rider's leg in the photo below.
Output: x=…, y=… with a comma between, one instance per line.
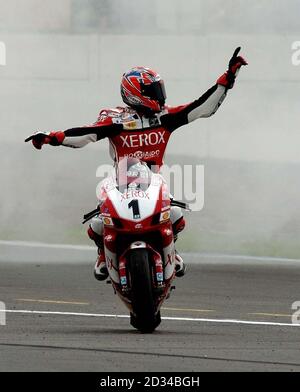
x=95, y=232
x=178, y=224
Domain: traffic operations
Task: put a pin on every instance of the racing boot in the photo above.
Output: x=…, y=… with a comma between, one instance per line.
x=100, y=269
x=178, y=226
x=180, y=267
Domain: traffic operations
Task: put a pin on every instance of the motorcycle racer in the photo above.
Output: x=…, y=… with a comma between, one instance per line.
x=142, y=130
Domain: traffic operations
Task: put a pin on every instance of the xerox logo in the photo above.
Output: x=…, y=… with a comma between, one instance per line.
x=135, y=195
x=143, y=139
x=2, y=53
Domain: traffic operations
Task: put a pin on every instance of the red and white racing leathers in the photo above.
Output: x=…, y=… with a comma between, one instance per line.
x=133, y=135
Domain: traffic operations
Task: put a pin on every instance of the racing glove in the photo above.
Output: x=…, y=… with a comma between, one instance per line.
x=236, y=62
x=40, y=138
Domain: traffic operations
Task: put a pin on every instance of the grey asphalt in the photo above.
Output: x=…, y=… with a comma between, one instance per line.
x=259, y=292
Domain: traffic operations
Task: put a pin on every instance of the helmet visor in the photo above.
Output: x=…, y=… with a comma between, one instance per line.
x=155, y=91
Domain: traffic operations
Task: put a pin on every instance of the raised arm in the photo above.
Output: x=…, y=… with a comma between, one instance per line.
x=208, y=103
x=74, y=137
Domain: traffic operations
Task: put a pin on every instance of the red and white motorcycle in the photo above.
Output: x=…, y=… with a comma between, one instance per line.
x=138, y=240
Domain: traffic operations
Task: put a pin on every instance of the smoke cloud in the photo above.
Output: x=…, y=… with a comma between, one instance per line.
x=64, y=61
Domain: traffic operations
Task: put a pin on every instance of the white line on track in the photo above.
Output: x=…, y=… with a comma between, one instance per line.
x=203, y=256
x=116, y=316
x=46, y=246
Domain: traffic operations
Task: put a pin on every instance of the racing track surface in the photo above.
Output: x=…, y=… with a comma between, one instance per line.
x=75, y=340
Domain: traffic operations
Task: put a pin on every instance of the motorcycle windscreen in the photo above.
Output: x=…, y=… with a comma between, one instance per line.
x=134, y=175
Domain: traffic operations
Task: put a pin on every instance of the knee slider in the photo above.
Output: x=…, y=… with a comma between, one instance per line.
x=97, y=226
x=98, y=239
